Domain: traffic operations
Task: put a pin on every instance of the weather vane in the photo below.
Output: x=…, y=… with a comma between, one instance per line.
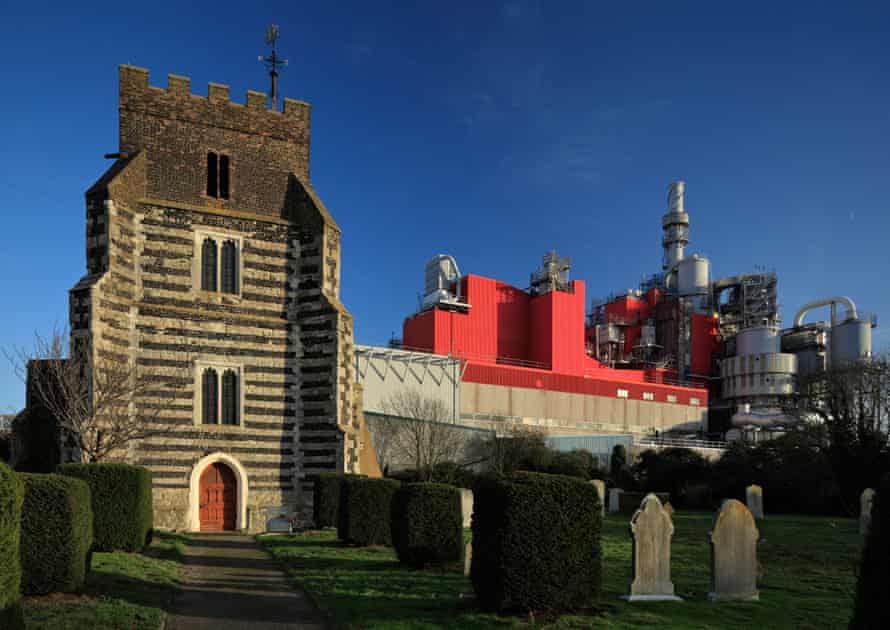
x=273, y=61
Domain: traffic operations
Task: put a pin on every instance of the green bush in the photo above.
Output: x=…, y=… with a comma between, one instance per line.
x=11, y=496
x=427, y=523
x=57, y=532
x=536, y=542
x=326, y=498
x=871, y=611
x=36, y=438
x=671, y=470
x=121, y=502
x=575, y=463
x=365, y=510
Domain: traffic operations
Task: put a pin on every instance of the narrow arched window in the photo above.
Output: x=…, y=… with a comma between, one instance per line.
x=208, y=265
x=212, y=176
x=223, y=176
x=209, y=397
x=230, y=397
x=229, y=280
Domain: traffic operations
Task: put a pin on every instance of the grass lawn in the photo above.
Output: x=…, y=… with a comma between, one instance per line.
x=124, y=591
x=808, y=566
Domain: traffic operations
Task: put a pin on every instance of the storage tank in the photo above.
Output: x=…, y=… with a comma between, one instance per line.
x=850, y=341
x=693, y=276
x=757, y=340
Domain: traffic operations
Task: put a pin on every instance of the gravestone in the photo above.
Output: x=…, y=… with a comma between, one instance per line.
x=278, y=520
x=614, y=500
x=651, y=528
x=754, y=499
x=468, y=558
x=669, y=509
x=865, y=502
x=734, y=554
x=466, y=506
x=600, y=486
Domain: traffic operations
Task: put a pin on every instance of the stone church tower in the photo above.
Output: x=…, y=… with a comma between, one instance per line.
x=213, y=264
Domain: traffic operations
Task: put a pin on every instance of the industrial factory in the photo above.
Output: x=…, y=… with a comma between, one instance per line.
x=684, y=354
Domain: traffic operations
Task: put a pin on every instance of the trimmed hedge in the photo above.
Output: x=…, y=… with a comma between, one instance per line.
x=871, y=609
x=11, y=496
x=365, y=511
x=427, y=523
x=326, y=498
x=57, y=532
x=536, y=542
x=121, y=502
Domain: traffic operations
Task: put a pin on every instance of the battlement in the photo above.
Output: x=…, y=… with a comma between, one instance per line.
x=178, y=130
x=134, y=81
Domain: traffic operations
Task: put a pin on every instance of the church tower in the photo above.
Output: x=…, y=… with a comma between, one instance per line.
x=213, y=265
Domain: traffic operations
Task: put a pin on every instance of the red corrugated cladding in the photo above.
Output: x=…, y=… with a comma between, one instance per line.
x=704, y=343
x=531, y=378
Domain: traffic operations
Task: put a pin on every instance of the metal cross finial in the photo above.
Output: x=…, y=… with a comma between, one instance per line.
x=272, y=62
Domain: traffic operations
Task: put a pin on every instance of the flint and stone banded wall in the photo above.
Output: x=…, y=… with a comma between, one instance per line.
x=285, y=330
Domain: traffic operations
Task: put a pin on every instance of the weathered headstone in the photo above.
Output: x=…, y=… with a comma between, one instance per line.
x=278, y=521
x=669, y=509
x=651, y=528
x=468, y=557
x=754, y=500
x=614, y=502
x=600, y=486
x=734, y=553
x=466, y=505
x=865, y=502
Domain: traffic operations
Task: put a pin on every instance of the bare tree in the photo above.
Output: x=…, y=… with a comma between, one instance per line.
x=100, y=402
x=422, y=432
x=853, y=403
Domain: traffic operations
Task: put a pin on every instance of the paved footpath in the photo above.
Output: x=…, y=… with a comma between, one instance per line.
x=229, y=583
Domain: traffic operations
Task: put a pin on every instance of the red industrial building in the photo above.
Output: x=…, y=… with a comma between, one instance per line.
x=538, y=339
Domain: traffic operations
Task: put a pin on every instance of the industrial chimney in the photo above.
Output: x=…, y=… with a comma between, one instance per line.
x=675, y=225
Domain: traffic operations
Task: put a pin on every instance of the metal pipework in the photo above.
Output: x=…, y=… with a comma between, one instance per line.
x=832, y=301
x=675, y=225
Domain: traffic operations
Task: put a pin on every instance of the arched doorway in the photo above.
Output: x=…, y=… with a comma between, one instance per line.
x=217, y=498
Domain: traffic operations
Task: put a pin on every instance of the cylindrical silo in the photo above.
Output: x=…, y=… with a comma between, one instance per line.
x=850, y=341
x=693, y=276
x=757, y=340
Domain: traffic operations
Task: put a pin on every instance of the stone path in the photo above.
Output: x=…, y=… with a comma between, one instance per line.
x=229, y=583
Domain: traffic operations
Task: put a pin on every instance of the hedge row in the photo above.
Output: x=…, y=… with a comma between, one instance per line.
x=427, y=523
x=364, y=516
x=536, y=542
x=11, y=497
x=121, y=502
x=326, y=498
x=57, y=532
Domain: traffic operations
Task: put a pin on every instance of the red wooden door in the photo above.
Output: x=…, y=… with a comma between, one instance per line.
x=217, y=498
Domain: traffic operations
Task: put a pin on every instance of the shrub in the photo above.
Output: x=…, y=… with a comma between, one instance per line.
x=11, y=496
x=57, y=531
x=670, y=470
x=871, y=609
x=575, y=463
x=365, y=510
x=536, y=542
x=326, y=498
x=36, y=438
x=427, y=523
x=121, y=502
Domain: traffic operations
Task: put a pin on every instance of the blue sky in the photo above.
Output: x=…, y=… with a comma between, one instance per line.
x=489, y=131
